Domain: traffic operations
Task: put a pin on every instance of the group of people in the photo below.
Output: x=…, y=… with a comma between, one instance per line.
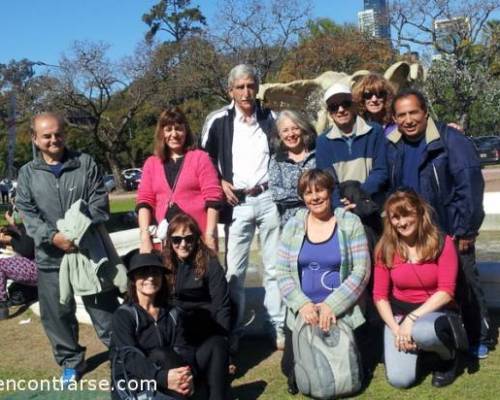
x=317, y=203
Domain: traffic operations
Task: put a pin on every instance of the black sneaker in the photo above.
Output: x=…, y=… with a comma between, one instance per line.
x=4, y=310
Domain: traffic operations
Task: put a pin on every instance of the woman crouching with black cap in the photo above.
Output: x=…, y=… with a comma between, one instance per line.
x=145, y=330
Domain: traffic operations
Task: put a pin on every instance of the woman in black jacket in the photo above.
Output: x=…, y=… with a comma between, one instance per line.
x=146, y=323
x=200, y=290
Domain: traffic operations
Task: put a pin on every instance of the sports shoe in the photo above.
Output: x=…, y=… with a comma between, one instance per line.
x=480, y=351
x=4, y=310
x=68, y=375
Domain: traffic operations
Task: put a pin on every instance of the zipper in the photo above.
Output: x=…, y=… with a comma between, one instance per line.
x=158, y=333
x=436, y=177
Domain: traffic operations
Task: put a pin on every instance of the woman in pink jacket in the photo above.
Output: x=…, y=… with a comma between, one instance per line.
x=178, y=178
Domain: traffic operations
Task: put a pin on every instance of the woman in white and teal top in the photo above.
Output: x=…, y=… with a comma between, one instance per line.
x=323, y=262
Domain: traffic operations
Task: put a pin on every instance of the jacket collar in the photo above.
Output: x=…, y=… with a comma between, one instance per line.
x=69, y=160
x=361, y=127
x=431, y=133
x=282, y=156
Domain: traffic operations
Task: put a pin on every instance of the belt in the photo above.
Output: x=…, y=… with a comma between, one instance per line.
x=252, y=192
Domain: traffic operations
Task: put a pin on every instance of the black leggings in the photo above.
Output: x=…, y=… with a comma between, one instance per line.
x=212, y=361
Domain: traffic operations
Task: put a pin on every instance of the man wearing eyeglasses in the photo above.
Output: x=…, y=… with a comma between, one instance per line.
x=353, y=148
x=441, y=164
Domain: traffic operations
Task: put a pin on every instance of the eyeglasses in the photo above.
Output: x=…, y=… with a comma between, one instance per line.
x=177, y=240
x=332, y=107
x=380, y=95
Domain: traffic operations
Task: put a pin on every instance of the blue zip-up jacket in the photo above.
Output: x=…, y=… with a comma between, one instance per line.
x=363, y=159
x=450, y=177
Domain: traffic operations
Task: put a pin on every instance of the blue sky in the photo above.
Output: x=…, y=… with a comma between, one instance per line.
x=41, y=30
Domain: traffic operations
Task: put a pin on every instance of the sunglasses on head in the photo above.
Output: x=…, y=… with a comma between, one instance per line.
x=333, y=107
x=380, y=95
x=177, y=240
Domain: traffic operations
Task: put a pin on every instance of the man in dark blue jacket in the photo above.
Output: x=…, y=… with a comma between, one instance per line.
x=442, y=165
x=352, y=147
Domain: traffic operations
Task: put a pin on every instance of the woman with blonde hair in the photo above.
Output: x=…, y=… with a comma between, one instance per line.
x=414, y=287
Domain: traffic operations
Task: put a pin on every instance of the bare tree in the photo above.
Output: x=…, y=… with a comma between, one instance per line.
x=101, y=98
x=450, y=26
x=260, y=33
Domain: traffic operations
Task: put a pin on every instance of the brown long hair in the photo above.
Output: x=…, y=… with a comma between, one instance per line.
x=200, y=255
x=374, y=82
x=171, y=116
x=429, y=239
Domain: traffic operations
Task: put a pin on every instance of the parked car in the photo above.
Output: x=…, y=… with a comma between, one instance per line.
x=109, y=183
x=131, y=178
x=488, y=148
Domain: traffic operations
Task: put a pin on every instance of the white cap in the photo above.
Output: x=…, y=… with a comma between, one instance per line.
x=337, y=88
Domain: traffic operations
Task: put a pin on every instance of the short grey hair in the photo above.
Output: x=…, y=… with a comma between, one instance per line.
x=241, y=71
x=307, y=130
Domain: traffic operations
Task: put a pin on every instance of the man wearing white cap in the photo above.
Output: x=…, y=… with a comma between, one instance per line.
x=354, y=148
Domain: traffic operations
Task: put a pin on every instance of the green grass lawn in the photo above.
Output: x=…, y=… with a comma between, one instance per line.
x=119, y=205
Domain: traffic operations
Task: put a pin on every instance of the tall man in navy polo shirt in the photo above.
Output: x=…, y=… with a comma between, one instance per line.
x=442, y=165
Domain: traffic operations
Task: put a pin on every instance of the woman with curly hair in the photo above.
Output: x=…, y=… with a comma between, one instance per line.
x=373, y=94
x=199, y=288
x=414, y=287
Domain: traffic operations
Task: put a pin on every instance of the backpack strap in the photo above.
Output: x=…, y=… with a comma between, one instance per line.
x=133, y=311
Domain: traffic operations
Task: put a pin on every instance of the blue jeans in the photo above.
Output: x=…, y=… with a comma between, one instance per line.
x=401, y=367
x=255, y=212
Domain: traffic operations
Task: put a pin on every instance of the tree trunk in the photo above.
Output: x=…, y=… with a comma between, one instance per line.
x=115, y=170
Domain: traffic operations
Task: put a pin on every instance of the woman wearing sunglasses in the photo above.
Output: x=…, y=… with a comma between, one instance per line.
x=200, y=289
x=414, y=285
x=373, y=95
x=145, y=332
x=178, y=178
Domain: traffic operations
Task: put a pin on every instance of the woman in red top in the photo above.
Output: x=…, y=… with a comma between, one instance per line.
x=415, y=277
x=178, y=178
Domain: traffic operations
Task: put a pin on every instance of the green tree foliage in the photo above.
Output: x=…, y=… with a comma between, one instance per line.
x=327, y=46
x=175, y=17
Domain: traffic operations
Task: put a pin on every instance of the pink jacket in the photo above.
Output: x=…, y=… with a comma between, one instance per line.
x=197, y=183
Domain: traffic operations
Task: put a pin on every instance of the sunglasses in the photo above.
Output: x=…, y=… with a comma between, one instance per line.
x=177, y=240
x=380, y=95
x=332, y=107
x=148, y=271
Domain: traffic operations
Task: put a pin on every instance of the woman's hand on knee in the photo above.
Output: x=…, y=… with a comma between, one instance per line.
x=309, y=314
x=404, y=339
x=326, y=316
x=180, y=380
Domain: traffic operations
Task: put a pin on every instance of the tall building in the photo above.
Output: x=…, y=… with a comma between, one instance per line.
x=374, y=20
x=450, y=33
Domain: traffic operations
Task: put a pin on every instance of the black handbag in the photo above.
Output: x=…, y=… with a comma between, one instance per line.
x=458, y=330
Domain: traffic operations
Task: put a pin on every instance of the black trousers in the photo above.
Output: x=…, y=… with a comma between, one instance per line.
x=212, y=362
x=470, y=295
x=60, y=323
